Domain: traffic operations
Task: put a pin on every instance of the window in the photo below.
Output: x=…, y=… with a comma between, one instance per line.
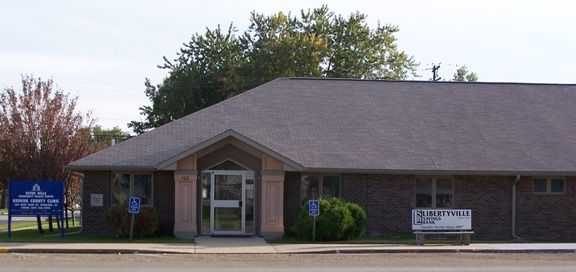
x=313, y=187
x=125, y=185
x=548, y=185
x=434, y=192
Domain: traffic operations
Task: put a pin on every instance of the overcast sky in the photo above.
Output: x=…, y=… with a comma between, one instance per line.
x=101, y=51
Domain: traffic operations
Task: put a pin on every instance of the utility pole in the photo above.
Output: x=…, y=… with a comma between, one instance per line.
x=435, y=69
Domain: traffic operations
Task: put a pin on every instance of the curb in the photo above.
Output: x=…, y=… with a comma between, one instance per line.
x=428, y=251
x=330, y=251
x=85, y=251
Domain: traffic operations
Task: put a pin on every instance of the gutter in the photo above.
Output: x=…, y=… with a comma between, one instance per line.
x=516, y=180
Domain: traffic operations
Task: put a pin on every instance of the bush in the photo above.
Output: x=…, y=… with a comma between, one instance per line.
x=338, y=220
x=145, y=223
x=359, y=219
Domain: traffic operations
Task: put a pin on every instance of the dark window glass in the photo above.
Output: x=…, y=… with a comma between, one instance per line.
x=143, y=188
x=228, y=165
x=331, y=186
x=205, y=177
x=120, y=188
x=540, y=185
x=556, y=185
x=443, y=193
x=314, y=187
x=309, y=188
x=424, y=193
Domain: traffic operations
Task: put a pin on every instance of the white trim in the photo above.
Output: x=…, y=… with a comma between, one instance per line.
x=228, y=203
x=229, y=133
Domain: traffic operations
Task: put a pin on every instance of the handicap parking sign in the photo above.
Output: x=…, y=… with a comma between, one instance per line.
x=134, y=205
x=313, y=207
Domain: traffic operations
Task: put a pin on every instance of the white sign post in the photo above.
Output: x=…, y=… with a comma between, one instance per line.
x=441, y=219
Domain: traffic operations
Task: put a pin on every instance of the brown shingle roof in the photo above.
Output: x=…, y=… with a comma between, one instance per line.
x=369, y=125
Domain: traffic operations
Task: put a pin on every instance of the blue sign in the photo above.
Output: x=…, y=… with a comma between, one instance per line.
x=36, y=198
x=313, y=207
x=134, y=205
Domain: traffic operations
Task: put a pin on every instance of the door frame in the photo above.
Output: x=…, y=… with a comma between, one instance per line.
x=214, y=204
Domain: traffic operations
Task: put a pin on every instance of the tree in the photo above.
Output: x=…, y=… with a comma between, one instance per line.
x=220, y=64
x=463, y=75
x=104, y=137
x=40, y=133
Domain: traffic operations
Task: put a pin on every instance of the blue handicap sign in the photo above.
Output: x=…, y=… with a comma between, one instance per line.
x=313, y=207
x=134, y=205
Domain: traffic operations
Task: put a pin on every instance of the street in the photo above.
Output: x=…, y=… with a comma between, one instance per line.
x=290, y=262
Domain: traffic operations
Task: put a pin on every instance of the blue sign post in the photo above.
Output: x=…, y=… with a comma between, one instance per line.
x=313, y=210
x=133, y=209
x=36, y=198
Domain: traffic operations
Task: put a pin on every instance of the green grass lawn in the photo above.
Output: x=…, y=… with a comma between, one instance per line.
x=20, y=224
x=32, y=236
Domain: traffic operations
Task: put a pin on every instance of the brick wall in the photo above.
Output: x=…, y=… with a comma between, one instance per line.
x=98, y=182
x=93, y=222
x=490, y=198
x=546, y=216
x=387, y=199
x=164, y=200
x=291, y=199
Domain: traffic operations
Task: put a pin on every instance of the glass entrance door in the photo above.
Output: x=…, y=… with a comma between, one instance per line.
x=228, y=196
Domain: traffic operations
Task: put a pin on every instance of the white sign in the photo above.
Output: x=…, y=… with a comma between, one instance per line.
x=96, y=200
x=441, y=219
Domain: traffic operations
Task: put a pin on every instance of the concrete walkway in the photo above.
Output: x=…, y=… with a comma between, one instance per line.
x=257, y=245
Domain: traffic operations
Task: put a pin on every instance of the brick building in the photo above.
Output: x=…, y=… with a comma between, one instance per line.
x=245, y=166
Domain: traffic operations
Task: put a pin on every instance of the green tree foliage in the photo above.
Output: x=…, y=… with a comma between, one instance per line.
x=220, y=63
x=463, y=75
x=103, y=137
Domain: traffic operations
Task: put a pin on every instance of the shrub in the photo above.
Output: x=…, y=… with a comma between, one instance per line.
x=359, y=219
x=145, y=223
x=338, y=220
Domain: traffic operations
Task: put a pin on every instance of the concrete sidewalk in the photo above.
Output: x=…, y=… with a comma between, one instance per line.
x=257, y=245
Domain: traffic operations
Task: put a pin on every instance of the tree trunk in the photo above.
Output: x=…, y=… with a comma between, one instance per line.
x=39, y=222
x=66, y=218
x=58, y=222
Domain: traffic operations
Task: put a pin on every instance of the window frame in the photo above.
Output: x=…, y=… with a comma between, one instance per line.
x=434, y=191
x=131, y=193
x=320, y=185
x=549, y=185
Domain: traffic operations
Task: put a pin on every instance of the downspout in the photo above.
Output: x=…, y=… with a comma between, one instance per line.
x=514, y=208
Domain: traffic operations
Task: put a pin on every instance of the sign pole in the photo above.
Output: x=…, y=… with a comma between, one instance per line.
x=9, y=225
x=314, y=229
x=313, y=210
x=133, y=209
x=62, y=214
x=131, y=226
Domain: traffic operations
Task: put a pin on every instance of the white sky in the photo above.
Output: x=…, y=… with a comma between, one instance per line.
x=101, y=51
